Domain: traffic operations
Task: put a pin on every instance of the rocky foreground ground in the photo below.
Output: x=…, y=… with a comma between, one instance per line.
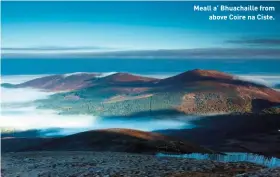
x=112, y=164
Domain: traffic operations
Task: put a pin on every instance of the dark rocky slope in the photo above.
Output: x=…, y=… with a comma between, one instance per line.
x=254, y=133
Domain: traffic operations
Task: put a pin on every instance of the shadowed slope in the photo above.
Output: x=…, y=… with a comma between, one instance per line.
x=255, y=133
x=119, y=140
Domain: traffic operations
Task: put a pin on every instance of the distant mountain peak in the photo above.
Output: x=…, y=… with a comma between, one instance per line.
x=126, y=77
x=80, y=74
x=209, y=73
x=197, y=75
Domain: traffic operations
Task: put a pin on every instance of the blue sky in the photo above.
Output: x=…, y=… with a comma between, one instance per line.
x=112, y=26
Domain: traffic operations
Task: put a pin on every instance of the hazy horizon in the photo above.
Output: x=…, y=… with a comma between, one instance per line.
x=133, y=29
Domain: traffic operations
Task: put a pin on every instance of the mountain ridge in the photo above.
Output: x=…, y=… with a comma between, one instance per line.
x=192, y=92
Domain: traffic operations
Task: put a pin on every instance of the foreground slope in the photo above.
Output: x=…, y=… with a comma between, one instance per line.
x=117, y=140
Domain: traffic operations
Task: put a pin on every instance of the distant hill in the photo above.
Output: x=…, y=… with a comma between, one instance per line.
x=125, y=78
x=195, y=76
x=115, y=140
x=213, y=91
x=57, y=82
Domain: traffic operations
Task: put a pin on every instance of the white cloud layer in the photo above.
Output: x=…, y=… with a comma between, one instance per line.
x=22, y=95
x=268, y=80
x=32, y=118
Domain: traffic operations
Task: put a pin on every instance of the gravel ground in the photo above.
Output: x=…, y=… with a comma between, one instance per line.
x=272, y=172
x=112, y=164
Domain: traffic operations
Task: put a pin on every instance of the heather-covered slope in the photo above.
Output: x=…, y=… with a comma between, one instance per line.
x=209, y=91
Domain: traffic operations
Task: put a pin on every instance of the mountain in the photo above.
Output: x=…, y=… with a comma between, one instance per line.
x=125, y=78
x=123, y=94
x=213, y=91
x=195, y=76
x=197, y=92
x=116, y=140
x=76, y=81
x=61, y=82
